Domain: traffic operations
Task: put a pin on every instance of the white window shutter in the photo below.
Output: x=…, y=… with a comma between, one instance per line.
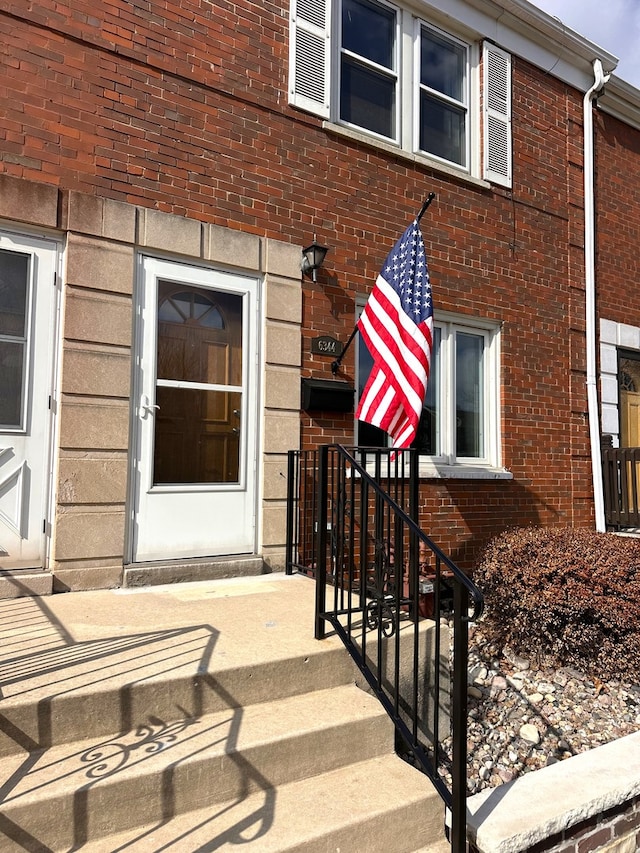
x=497, y=115
x=310, y=55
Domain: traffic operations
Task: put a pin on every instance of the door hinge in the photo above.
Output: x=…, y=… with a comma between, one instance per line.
x=49, y=402
x=55, y=278
x=44, y=525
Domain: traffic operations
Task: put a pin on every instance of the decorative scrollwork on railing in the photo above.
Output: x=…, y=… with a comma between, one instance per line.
x=375, y=569
x=381, y=616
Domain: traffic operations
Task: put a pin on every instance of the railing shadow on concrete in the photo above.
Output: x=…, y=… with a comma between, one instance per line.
x=64, y=663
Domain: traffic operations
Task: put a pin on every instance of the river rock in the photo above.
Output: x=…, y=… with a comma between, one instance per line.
x=529, y=733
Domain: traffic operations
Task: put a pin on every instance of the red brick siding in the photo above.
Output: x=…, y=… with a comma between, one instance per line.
x=183, y=107
x=618, y=220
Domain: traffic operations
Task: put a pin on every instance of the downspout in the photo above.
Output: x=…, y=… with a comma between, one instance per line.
x=590, y=294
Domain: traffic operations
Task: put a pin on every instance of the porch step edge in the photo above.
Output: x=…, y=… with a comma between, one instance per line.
x=377, y=805
x=71, y=794
x=118, y=701
x=23, y=583
x=185, y=571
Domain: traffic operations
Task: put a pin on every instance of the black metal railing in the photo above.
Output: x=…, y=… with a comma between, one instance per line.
x=397, y=602
x=621, y=481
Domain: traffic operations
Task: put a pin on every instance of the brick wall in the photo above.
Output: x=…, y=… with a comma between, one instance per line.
x=616, y=830
x=618, y=225
x=182, y=107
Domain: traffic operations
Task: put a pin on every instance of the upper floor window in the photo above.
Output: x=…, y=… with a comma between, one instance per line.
x=368, y=67
x=377, y=68
x=443, y=97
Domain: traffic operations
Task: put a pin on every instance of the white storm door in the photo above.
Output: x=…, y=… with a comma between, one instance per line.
x=196, y=413
x=27, y=337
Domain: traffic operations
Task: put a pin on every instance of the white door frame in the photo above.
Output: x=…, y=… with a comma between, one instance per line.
x=151, y=500
x=47, y=257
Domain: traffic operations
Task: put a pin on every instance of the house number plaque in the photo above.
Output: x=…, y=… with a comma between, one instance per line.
x=326, y=345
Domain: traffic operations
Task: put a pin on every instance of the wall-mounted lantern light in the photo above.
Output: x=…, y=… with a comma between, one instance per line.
x=313, y=258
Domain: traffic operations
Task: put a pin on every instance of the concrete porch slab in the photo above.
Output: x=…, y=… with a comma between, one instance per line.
x=282, y=607
x=111, y=655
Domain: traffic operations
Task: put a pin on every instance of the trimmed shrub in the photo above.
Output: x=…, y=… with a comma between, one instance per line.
x=566, y=597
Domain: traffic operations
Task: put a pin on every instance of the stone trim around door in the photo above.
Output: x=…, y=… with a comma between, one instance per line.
x=613, y=336
x=103, y=238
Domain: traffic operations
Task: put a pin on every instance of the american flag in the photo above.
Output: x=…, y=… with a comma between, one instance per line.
x=397, y=326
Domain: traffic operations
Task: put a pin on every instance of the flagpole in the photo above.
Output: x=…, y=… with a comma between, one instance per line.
x=335, y=365
x=425, y=205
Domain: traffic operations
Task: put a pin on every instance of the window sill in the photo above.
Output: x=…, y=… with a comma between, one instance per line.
x=432, y=471
x=418, y=159
x=435, y=471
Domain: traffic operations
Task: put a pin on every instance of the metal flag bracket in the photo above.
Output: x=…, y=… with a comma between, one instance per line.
x=335, y=365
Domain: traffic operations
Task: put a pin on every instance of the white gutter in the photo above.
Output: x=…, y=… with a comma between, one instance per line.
x=590, y=294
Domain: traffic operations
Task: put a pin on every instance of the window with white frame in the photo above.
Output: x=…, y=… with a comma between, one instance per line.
x=443, y=96
x=368, y=67
x=459, y=423
x=377, y=68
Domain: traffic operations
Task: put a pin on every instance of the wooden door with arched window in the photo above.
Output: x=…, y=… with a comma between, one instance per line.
x=197, y=418
x=199, y=340
x=629, y=393
x=629, y=409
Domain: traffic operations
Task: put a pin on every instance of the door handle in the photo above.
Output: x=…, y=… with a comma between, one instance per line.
x=146, y=407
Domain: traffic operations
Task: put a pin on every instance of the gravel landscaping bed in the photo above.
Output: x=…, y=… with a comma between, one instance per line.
x=524, y=715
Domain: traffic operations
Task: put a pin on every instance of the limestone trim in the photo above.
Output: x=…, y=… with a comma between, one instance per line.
x=102, y=240
x=613, y=336
x=544, y=806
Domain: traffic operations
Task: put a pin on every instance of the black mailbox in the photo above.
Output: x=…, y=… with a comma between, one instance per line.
x=328, y=395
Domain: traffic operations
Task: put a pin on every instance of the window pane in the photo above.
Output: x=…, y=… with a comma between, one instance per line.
x=442, y=65
x=367, y=99
x=469, y=395
x=197, y=438
x=14, y=299
x=168, y=312
x=199, y=335
x=428, y=437
x=369, y=31
x=202, y=305
x=442, y=130
x=11, y=370
x=14, y=282
x=368, y=435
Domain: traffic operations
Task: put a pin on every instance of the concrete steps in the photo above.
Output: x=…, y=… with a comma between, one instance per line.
x=17, y=583
x=165, y=740
x=336, y=811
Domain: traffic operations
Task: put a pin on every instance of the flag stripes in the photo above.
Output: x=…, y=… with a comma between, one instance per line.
x=397, y=327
